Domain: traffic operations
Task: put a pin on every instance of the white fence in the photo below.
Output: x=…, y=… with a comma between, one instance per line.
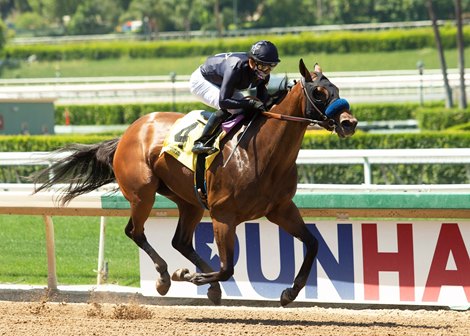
x=368, y=157
x=365, y=157
x=356, y=86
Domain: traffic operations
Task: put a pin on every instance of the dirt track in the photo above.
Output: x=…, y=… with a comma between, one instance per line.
x=43, y=318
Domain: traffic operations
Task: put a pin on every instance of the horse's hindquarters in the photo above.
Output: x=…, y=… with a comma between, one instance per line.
x=137, y=151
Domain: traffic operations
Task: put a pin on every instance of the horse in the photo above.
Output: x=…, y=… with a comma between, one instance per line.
x=259, y=181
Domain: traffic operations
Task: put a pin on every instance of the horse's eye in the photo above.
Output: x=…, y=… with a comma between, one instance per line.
x=320, y=93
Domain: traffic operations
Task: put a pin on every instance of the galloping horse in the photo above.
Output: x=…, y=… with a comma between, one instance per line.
x=260, y=179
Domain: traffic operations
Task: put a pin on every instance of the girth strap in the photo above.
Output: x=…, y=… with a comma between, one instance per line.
x=200, y=180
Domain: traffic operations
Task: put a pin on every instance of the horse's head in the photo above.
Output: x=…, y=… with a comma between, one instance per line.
x=324, y=104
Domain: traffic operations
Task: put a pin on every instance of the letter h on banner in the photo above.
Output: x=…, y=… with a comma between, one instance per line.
x=401, y=261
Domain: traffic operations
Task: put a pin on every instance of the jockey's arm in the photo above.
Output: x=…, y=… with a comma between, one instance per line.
x=262, y=90
x=227, y=90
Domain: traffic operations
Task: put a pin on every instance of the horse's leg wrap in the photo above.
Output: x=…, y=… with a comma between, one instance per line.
x=181, y=274
x=214, y=293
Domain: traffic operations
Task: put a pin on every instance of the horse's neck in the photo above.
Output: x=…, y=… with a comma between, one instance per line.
x=287, y=136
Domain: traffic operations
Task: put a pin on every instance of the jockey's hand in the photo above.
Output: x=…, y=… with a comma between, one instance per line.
x=257, y=105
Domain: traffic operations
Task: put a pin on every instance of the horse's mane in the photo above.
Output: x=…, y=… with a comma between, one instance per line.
x=279, y=95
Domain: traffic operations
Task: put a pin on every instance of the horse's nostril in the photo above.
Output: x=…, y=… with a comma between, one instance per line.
x=349, y=124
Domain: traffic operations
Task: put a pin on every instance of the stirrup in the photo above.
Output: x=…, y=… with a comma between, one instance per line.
x=199, y=148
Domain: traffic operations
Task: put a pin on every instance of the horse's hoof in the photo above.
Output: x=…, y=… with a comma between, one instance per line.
x=163, y=284
x=288, y=295
x=180, y=274
x=215, y=295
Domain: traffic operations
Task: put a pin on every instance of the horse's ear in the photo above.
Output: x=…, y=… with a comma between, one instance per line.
x=304, y=71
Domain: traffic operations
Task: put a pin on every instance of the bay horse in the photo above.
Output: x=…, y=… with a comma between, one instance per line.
x=259, y=181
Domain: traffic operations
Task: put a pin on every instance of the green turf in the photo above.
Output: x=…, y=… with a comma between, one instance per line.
x=23, y=257
x=399, y=60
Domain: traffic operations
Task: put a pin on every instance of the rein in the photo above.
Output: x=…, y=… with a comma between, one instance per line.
x=289, y=118
x=279, y=116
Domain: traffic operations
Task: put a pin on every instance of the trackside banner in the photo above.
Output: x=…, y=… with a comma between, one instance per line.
x=386, y=262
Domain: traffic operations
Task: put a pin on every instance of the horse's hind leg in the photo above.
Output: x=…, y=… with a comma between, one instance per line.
x=190, y=217
x=140, y=211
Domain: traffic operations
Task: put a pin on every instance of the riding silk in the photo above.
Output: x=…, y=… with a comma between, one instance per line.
x=185, y=131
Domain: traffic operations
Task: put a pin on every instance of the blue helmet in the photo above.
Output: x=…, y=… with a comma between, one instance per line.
x=264, y=52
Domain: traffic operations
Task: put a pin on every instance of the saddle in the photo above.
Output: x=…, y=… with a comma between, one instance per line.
x=180, y=140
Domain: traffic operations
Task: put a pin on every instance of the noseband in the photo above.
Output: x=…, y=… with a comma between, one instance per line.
x=327, y=122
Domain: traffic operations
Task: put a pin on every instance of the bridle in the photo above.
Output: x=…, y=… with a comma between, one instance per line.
x=327, y=122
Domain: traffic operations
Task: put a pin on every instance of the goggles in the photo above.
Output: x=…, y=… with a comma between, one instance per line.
x=265, y=67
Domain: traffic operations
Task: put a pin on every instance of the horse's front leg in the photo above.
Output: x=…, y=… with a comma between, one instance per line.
x=288, y=217
x=224, y=235
x=190, y=217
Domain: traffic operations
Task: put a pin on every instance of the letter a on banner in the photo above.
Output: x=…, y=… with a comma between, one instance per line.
x=450, y=241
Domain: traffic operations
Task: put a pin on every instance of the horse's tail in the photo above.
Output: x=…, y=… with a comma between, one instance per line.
x=87, y=168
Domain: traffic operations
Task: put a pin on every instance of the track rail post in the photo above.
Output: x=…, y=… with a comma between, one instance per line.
x=50, y=247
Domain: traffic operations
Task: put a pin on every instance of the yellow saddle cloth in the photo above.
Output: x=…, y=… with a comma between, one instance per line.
x=180, y=140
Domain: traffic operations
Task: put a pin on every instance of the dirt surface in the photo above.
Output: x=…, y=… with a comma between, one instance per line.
x=40, y=317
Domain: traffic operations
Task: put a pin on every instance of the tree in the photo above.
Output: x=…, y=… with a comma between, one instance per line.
x=92, y=17
x=6, y=7
x=437, y=37
x=274, y=13
x=158, y=12
x=183, y=15
x=218, y=18
x=461, y=51
x=2, y=34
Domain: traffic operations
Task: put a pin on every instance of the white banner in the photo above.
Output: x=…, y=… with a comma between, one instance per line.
x=386, y=262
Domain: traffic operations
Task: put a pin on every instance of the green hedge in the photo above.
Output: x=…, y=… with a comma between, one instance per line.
x=40, y=143
x=441, y=118
x=44, y=143
x=343, y=174
x=117, y=114
x=331, y=42
x=389, y=111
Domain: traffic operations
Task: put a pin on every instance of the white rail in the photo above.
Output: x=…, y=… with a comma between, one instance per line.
x=365, y=157
x=401, y=85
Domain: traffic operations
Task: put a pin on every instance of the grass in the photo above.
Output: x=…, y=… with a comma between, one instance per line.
x=23, y=258
x=400, y=60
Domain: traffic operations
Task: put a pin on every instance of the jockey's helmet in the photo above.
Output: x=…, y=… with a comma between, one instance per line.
x=264, y=52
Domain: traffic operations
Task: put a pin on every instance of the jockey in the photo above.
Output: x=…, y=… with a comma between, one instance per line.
x=219, y=82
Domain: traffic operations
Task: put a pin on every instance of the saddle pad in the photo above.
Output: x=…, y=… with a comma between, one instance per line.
x=183, y=133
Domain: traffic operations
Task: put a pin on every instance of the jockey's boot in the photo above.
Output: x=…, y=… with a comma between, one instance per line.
x=215, y=120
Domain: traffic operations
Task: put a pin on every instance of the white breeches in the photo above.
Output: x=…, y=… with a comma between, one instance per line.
x=209, y=93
